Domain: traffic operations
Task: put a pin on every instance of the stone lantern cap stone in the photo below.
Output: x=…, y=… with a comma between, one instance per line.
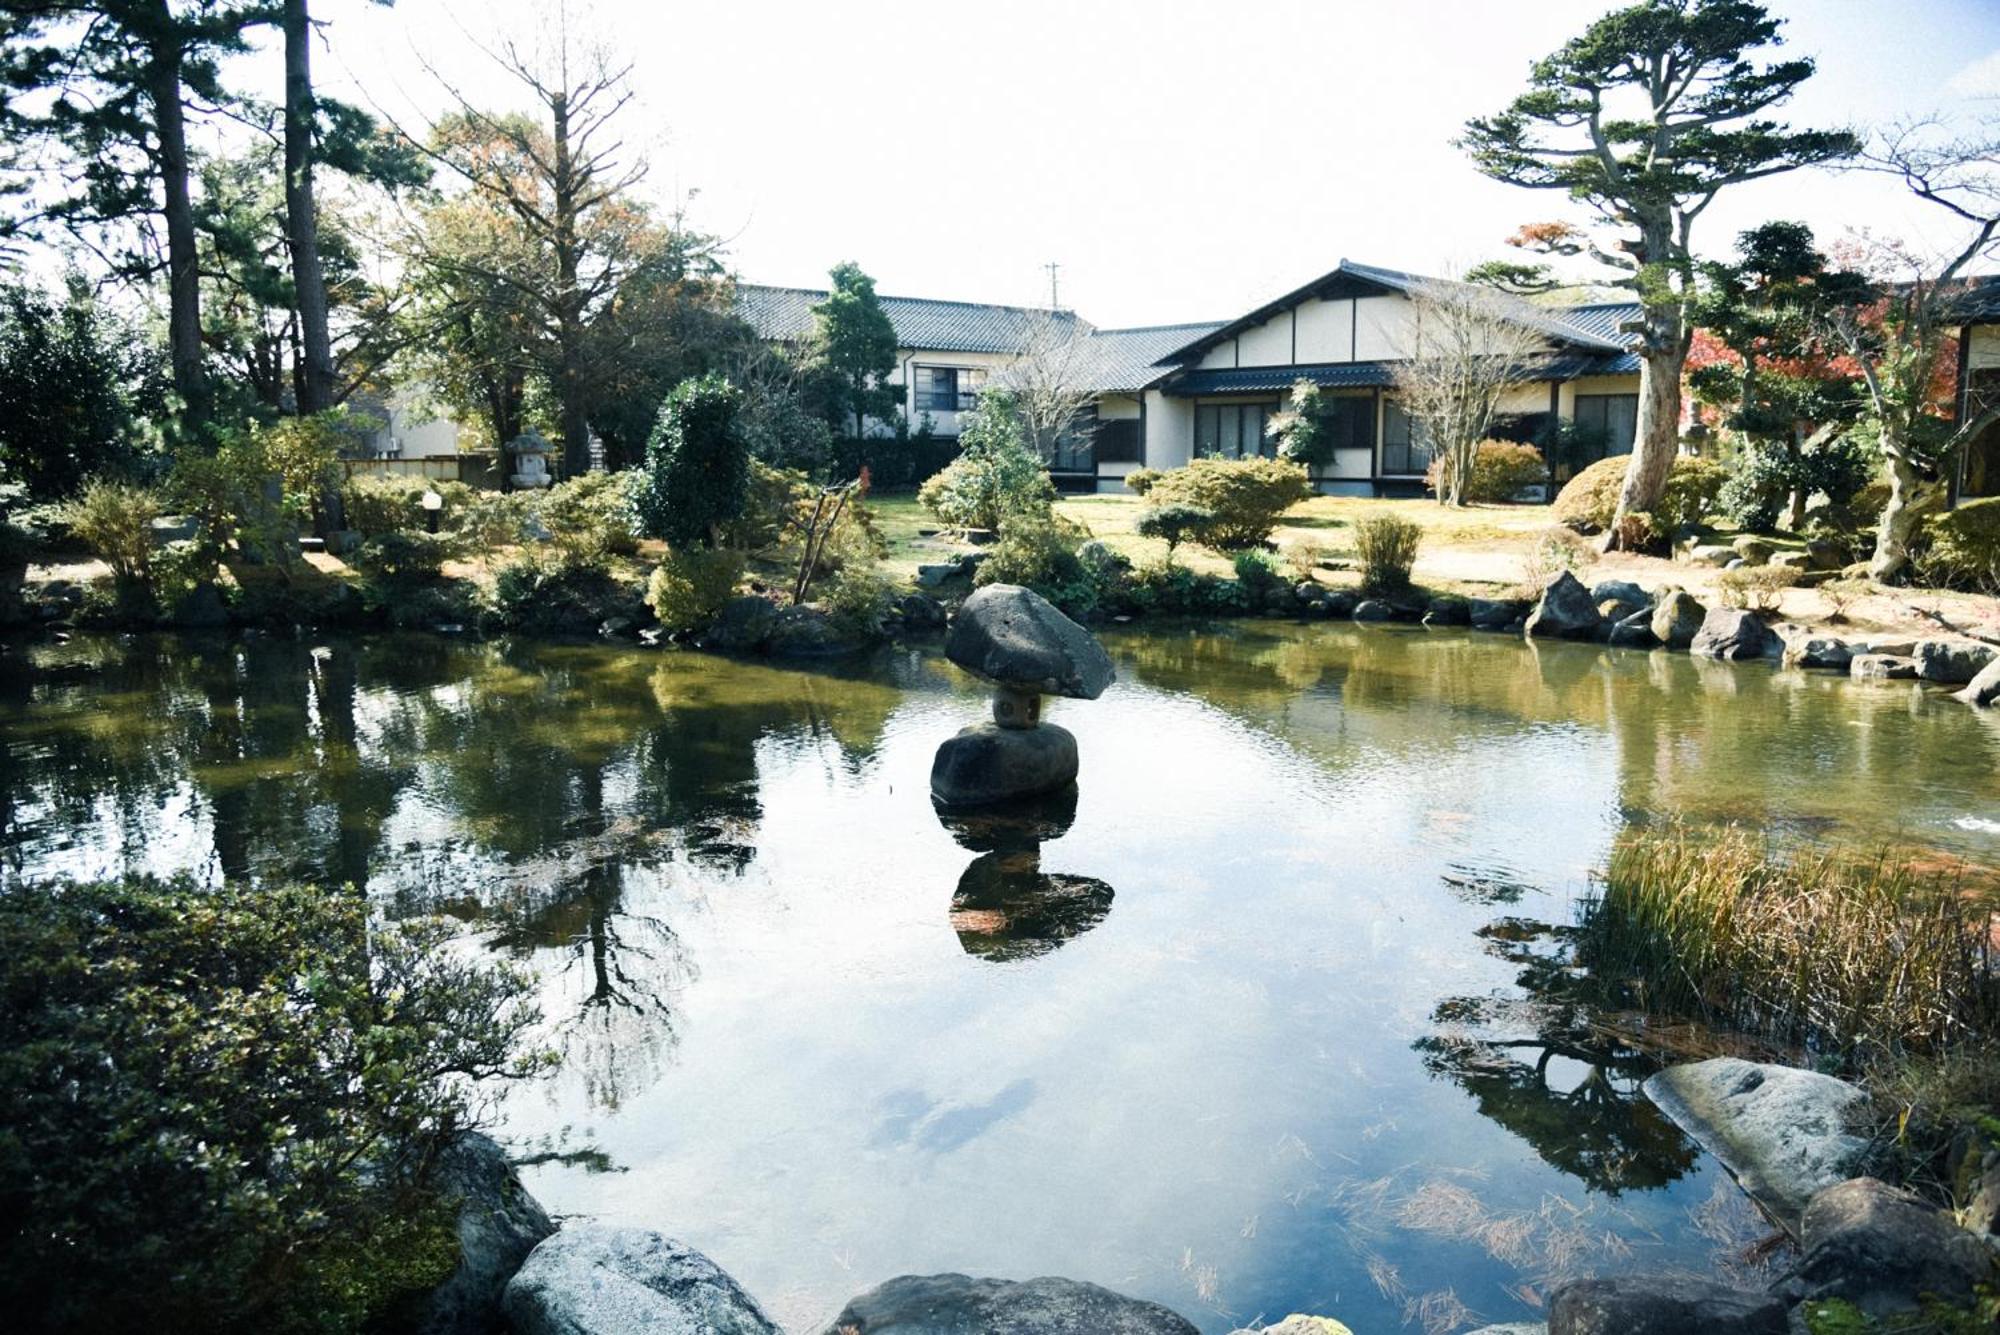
x=1016, y=638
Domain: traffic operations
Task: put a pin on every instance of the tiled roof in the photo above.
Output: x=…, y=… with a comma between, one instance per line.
x=1980, y=302
x=1122, y=360
x=784, y=314
x=1364, y=375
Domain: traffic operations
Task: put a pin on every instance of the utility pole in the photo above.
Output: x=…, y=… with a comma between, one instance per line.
x=1055, y=303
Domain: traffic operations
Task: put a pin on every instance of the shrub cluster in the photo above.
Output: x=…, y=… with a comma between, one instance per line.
x=1590, y=499
x=1501, y=471
x=1386, y=546
x=1964, y=546
x=1245, y=496
x=995, y=478
x=1758, y=588
x=691, y=584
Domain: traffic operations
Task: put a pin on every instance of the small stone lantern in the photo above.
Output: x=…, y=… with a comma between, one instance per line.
x=1016, y=639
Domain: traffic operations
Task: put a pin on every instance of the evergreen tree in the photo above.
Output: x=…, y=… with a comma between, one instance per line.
x=853, y=351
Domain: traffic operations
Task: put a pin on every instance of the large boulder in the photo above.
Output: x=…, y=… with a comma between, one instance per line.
x=742, y=624
x=1818, y=651
x=1373, y=609
x=1677, y=617
x=1300, y=1324
x=1663, y=1305
x=1734, y=634
x=1624, y=590
x=1885, y=1251
x=200, y=608
x=499, y=1223
x=962, y=1305
x=1786, y=1134
x=1754, y=550
x=592, y=1280
x=988, y=763
x=1882, y=667
x=1566, y=610
x=1634, y=631
x=1015, y=637
x=808, y=632
x=1493, y=613
x=1953, y=662
x=1983, y=689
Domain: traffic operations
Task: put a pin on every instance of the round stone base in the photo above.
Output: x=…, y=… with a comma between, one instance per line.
x=988, y=763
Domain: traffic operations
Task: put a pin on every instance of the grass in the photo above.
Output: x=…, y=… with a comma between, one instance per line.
x=1853, y=955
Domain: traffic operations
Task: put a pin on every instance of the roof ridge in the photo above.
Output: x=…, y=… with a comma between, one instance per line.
x=1161, y=328
x=927, y=301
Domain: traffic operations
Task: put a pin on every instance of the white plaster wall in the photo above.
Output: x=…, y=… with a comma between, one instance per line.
x=905, y=379
x=1326, y=330
x=1169, y=430
x=1983, y=349
x=1269, y=344
x=1379, y=328
x=1595, y=384
x=1117, y=407
x=419, y=437
x=1220, y=357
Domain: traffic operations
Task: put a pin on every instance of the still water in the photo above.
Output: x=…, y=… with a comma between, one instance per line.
x=1262, y=1025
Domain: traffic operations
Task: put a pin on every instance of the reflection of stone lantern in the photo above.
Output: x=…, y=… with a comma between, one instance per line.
x=1006, y=907
x=530, y=453
x=1017, y=640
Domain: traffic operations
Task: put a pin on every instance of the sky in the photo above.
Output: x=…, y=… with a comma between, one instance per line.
x=1178, y=161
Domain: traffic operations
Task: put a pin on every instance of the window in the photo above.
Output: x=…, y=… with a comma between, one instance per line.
x=948, y=389
x=1234, y=430
x=1405, y=450
x=1350, y=420
x=1615, y=416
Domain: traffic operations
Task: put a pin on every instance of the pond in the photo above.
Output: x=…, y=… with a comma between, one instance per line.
x=1263, y=1025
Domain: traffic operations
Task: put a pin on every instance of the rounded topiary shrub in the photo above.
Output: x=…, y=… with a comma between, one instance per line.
x=1501, y=471
x=1590, y=499
x=1246, y=496
x=1965, y=545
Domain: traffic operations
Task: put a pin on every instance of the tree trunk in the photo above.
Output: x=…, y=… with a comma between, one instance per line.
x=1796, y=448
x=569, y=313
x=316, y=382
x=1899, y=519
x=183, y=273
x=1658, y=435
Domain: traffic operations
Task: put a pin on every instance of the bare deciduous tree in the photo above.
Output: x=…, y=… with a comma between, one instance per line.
x=1462, y=350
x=1049, y=383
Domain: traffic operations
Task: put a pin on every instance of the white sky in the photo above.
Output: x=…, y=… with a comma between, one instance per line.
x=1179, y=161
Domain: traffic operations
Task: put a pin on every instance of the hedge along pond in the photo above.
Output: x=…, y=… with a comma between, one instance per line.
x=1267, y=1023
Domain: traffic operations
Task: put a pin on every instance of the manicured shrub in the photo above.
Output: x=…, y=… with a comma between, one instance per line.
x=995, y=478
x=1175, y=524
x=395, y=561
x=220, y=1105
x=1501, y=471
x=115, y=521
x=395, y=504
x=858, y=596
x=1763, y=476
x=691, y=584
x=558, y=593
x=1141, y=480
x=1040, y=552
x=1259, y=572
x=697, y=471
x=593, y=516
x=1590, y=499
x=1386, y=546
x=1246, y=496
x=1757, y=588
x=1965, y=546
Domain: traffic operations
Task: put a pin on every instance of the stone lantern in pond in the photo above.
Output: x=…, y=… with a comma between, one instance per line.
x=1017, y=640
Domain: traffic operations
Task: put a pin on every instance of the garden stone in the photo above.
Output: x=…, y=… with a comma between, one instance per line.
x=1624, y=590
x=1983, y=689
x=1952, y=662
x=932, y=576
x=1825, y=555
x=1634, y=631
x=1898, y=648
x=962, y=1305
x=1885, y=1251
x=1882, y=667
x=1799, y=561
x=1754, y=550
x=1565, y=611
x=1734, y=634
x=1514, y=1328
x=1015, y=637
x=1611, y=611
x=592, y=1280
x=741, y=626
x=920, y=611
x=1300, y=1324
x=1712, y=554
x=1448, y=612
x=1784, y=1133
x=1373, y=609
x=201, y=608
x=499, y=1223
x=1309, y=591
x=807, y=632
x=1491, y=613
x=1818, y=651
x=1663, y=1305
x=988, y=763
x=1317, y=611
x=1341, y=603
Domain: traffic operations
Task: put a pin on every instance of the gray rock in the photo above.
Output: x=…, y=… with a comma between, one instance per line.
x=1341, y=603
x=1784, y=1133
x=1611, y=611
x=1953, y=662
x=1798, y=561
x=1882, y=667
x=1448, y=612
x=1818, y=651
x=1015, y=637
x=932, y=576
x=1754, y=550
x=741, y=626
x=1884, y=1251
x=201, y=607
x=499, y=1223
x=1634, y=631
x=1898, y=648
x=1825, y=555
x=1712, y=554
x=920, y=611
x=1309, y=591
x=1663, y=1305
x=1624, y=590
x=1565, y=610
x=987, y=763
x=1298, y=1323
x=961, y=1305
x=1983, y=689
x=807, y=632
x=1734, y=634
x=1373, y=609
x=592, y=1280
x=1492, y=613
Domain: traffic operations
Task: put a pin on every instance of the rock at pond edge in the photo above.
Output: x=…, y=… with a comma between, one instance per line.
x=955, y=1304
x=590, y=1279
x=987, y=763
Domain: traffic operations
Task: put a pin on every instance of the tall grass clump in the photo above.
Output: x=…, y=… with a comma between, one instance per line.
x=1386, y=546
x=1856, y=957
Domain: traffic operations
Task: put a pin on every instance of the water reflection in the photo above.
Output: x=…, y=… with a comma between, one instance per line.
x=1006, y=907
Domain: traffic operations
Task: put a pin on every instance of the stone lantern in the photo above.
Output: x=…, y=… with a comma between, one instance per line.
x=1016, y=639
x=530, y=453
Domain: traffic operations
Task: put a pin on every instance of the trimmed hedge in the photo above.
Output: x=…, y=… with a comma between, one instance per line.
x=1589, y=500
x=1246, y=496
